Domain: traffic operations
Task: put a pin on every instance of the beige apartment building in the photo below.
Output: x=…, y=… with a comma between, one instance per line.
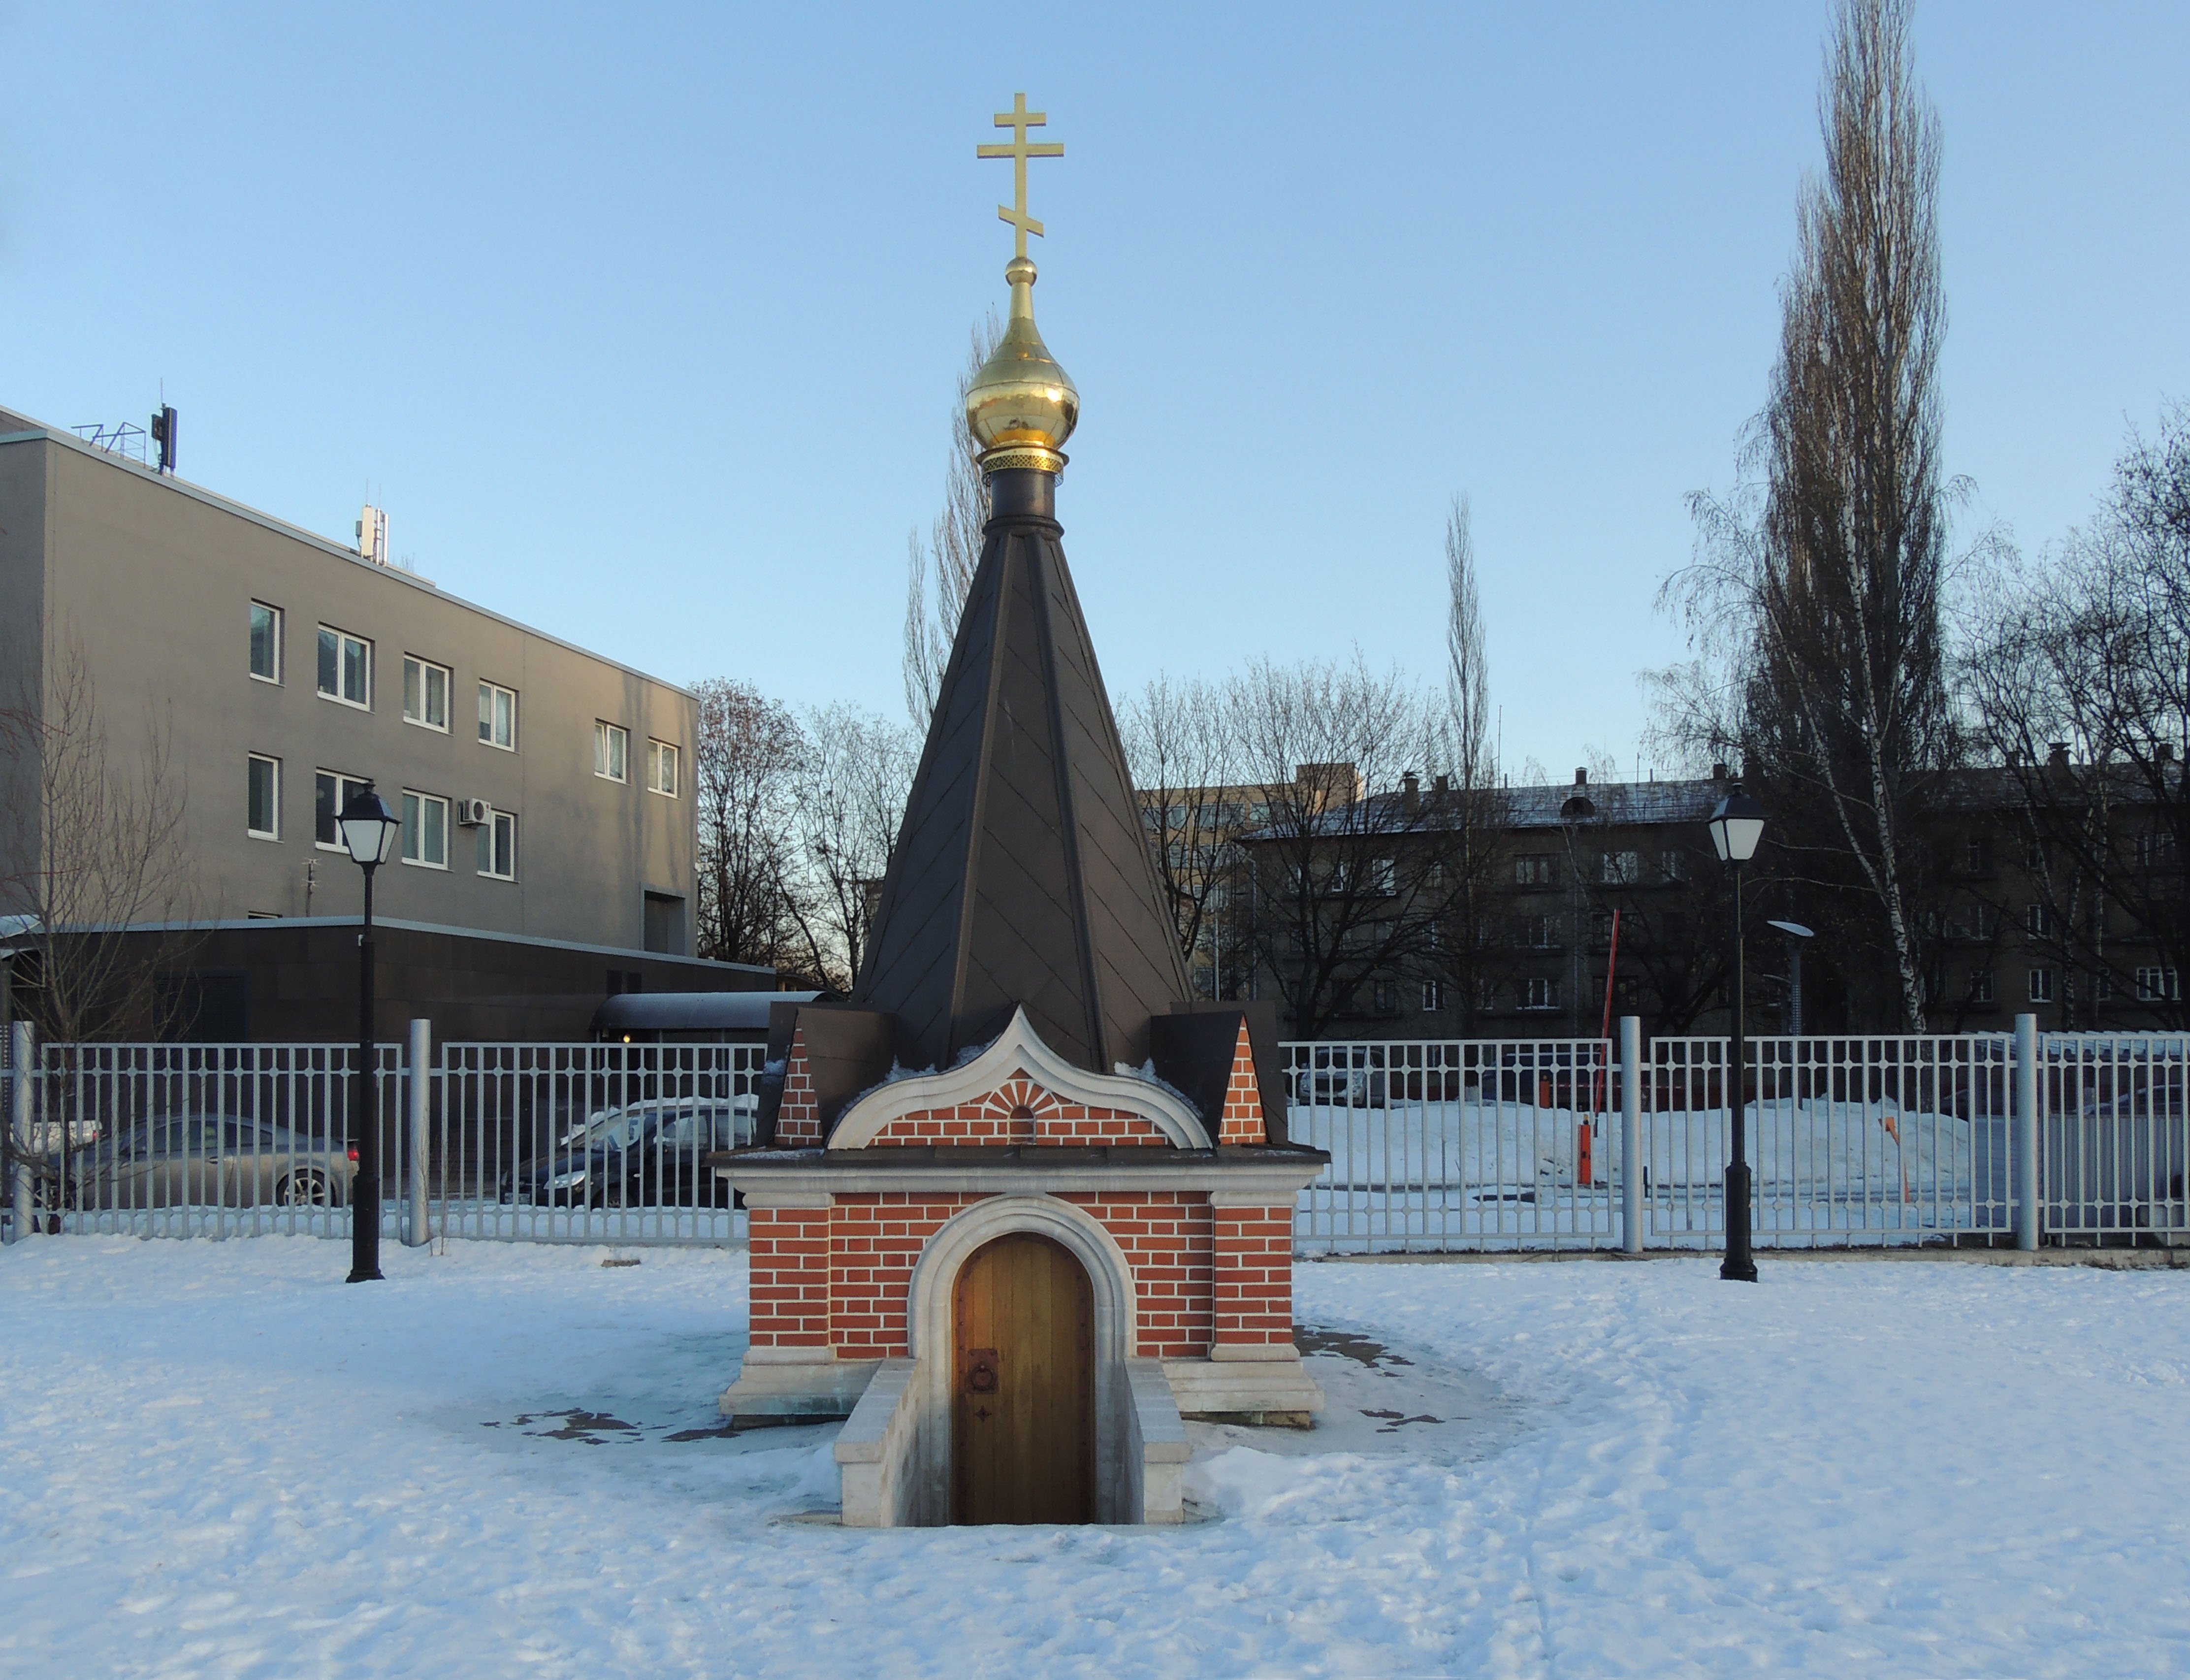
x=545, y=791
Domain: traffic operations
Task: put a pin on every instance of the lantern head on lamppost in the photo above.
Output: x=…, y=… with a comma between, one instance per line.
x=368, y=829
x=1736, y=828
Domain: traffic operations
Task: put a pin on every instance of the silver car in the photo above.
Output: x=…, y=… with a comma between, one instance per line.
x=205, y=1161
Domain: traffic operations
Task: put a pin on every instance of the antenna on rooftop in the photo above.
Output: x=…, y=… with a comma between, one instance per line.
x=372, y=535
x=163, y=434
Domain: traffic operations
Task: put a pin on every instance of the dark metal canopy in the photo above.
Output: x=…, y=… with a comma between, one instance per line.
x=1023, y=875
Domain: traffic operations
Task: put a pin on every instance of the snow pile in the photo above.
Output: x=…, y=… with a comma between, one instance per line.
x=218, y=1459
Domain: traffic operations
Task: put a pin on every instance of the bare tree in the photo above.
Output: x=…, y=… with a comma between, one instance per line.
x=2080, y=684
x=1467, y=669
x=1348, y=884
x=104, y=849
x=1824, y=603
x=851, y=786
x=746, y=763
x=1179, y=745
x=939, y=573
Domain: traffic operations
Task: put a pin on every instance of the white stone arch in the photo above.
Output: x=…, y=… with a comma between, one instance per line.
x=1018, y=1049
x=930, y=1331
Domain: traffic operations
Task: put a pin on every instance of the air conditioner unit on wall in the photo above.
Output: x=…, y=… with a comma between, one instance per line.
x=471, y=812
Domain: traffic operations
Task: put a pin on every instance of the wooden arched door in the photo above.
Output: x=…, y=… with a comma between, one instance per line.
x=1023, y=1388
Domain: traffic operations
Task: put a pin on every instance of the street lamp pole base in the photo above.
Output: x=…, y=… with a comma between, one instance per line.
x=358, y=1276
x=1740, y=1265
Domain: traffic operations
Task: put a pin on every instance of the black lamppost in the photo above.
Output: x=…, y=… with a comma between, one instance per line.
x=369, y=829
x=1736, y=827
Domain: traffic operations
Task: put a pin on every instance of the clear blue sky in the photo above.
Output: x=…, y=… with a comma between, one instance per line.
x=642, y=321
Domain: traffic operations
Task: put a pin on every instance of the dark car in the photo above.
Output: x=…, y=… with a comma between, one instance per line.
x=647, y=1154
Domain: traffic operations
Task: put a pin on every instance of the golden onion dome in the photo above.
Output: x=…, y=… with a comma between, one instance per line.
x=1022, y=405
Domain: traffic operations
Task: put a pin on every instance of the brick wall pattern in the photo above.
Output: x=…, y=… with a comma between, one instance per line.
x=1022, y=1111
x=1254, y=1293
x=798, y=1117
x=840, y=1277
x=1243, y=1098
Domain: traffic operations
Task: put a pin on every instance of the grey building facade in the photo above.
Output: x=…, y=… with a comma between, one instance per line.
x=545, y=791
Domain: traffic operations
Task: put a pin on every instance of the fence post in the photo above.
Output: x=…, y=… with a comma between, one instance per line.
x=420, y=1091
x=1631, y=1133
x=24, y=1053
x=2024, y=1152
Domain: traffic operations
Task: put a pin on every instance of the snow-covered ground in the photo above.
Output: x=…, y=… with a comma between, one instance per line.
x=218, y=1459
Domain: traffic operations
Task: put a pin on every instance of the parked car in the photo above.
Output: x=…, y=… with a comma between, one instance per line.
x=1342, y=1076
x=647, y=1154
x=207, y=1161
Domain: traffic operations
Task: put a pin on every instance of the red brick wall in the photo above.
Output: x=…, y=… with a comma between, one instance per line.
x=1254, y=1274
x=875, y=1240
x=1243, y=1098
x=1165, y=1235
x=799, y=1119
x=1019, y=1111
x=790, y=1277
x=840, y=1277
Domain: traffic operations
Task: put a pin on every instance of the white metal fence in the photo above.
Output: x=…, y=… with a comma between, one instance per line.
x=1458, y=1145
x=1525, y=1144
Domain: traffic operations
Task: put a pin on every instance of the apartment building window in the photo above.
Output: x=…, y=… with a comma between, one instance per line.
x=611, y=747
x=2038, y=918
x=331, y=791
x=1622, y=869
x=1673, y=865
x=425, y=694
x=497, y=846
x=2156, y=849
x=265, y=642
x=1980, y=987
x=345, y=668
x=1540, y=994
x=1537, y=932
x=1432, y=997
x=2158, y=985
x=2041, y=985
x=425, y=830
x=498, y=716
x=661, y=767
x=1386, y=997
x=1977, y=857
x=1536, y=869
x=262, y=803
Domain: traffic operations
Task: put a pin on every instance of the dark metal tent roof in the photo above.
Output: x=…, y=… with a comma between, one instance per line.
x=691, y=1010
x=1023, y=875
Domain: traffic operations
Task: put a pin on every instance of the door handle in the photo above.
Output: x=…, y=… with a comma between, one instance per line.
x=981, y=1377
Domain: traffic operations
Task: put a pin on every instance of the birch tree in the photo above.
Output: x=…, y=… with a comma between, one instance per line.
x=1821, y=598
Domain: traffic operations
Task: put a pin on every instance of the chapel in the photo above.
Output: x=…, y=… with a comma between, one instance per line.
x=1020, y=1206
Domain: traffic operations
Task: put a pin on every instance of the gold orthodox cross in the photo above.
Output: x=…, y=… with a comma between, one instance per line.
x=1018, y=119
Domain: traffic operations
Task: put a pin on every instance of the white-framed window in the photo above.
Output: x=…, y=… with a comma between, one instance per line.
x=1432, y=997
x=1540, y=994
x=1536, y=869
x=1537, y=932
x=330, y=790
x=497, y=846
x=1673, y=865
x=1980, y=987
x=425, y=694
x=498, y=716
x=611, y=751
x=345, y=668
x=2158, y=985
x=661, y=767
x=1622, y=869
x=265, y=642
x=1385, y=995
x=262, y=808
x=425, y=830
x=2038, y=918
x=2041, y=985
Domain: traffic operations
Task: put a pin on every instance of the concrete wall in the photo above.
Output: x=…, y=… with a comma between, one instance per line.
x=154, y=580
